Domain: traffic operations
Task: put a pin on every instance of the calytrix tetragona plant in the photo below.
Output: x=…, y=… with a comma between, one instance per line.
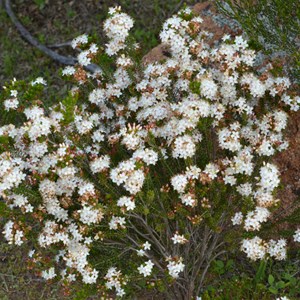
x=156, y=163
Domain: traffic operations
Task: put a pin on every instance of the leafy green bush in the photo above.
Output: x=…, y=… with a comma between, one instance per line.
x=137, y=179
x=264, y=280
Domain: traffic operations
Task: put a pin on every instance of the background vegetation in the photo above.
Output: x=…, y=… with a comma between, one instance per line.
x=274, y=27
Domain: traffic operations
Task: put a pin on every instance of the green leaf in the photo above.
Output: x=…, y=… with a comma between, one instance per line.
x=273, y=290
x=3, y=209
x=261, y=271
x=229, y=264
x=271, y=279
x=195, y=87
x=280, y=284
x=287, y=276
x=146, y=211
x=220, y=264
x=69, y=103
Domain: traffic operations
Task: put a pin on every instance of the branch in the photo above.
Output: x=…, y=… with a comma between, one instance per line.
x=29, y=38
x=60, y=45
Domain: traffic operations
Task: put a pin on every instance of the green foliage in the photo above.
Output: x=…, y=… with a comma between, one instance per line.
x=271, y=25
x=15, y=280
x=220, y=268
x=69, y=104
x=86, y=291
x=262, y=280
x=40, y=3
x=195, y=87
x=261, y=272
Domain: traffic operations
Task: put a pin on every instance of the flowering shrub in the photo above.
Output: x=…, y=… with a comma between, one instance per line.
x=154, y=163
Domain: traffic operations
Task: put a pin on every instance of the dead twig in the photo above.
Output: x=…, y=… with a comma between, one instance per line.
x=29, y=38
x=60, y=45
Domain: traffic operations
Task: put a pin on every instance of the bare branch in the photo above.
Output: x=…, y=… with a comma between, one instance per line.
x=60, y=45
x=29, y=38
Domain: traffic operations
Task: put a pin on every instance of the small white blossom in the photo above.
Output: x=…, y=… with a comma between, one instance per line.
x=146, y=268
x=175, y=267
x=80, y=40
x=49, y=274
x=237, y=219
x=179, y=239
x=297, y=235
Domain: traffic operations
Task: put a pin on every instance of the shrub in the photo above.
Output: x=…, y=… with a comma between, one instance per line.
x=138, y=178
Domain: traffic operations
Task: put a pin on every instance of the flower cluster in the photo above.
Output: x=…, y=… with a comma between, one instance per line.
x=175, y=267
x=146, y=268
x=117, y=28
x=115, y=280
x=256, y=248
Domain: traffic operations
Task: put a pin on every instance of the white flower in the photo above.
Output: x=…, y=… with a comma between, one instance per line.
x=134, y=182
x=83, y=58
x=184, y=147
x=188, y=200
x=11, y=103
x=49, y=274
x=31, y=253
x=255, y=218
x=115, y=280
x=86, y=188
x=131, y=140
x=240, y=42
x=149, y=156
x=179, y=239
x=208, y=88
x=68, y=71
x=277, y=249
x=126, y=202
x=141, y=252
x=89, y=215
x=211, y=170
x=254, y=248
x=237, y=219
x=8, y=231
x=269, y=177
x=297, y=235
x=179, y=183
x=229, y=137
x=80, y=40
x=175, y=267
x=98, y=96
x=100, y=164
x=34, y=113
x=39, y=80
x=146, y=268
x=257, y=87
x=147, y=246
x=117, y=28
x=192, y=172
x=245, y=189
x=13, y=93
x=117, y=222
x=89, y=277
